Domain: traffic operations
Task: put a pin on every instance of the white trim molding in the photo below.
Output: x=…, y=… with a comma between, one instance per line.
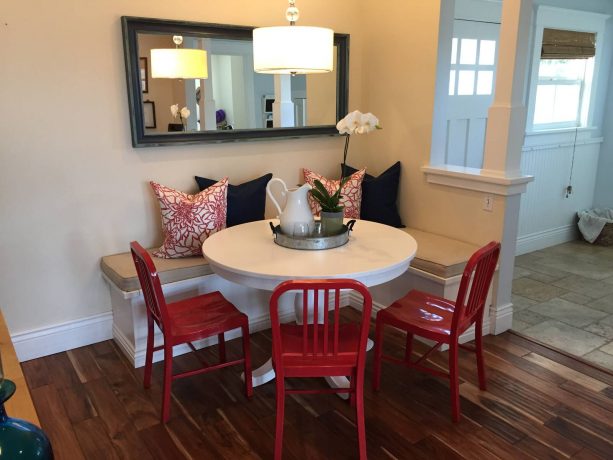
x=545, y=239
x=479, y=180
x=48, y=340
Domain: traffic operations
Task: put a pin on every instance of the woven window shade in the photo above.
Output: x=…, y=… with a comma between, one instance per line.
x=567, y=44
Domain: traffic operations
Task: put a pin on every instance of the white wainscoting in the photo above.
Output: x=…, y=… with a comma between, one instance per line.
x=547, y=217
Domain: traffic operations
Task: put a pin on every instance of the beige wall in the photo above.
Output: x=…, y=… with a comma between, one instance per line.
x=399, y=56
x=72, y=188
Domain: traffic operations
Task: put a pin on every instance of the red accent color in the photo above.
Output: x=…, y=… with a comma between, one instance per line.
x=351, y=193
x=321, y=349
x=184, y=322
x=188, y=220
x=443, y=321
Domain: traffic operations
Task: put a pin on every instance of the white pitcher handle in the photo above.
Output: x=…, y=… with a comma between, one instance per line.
x=272, y=198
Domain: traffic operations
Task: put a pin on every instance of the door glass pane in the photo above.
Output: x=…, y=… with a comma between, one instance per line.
x=452, y=83
x=484, y=82
x=468, y=51
x=466, y=82
x=487, y=52
x=454, y=50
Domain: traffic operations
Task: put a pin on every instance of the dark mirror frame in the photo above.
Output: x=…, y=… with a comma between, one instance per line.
x=132, y=26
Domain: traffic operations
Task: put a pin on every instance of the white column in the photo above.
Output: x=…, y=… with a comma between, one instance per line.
x=208, y=122
x=283, y=107
x=504, y=140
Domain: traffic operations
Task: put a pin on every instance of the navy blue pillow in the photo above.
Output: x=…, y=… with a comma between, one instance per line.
x=246, y=202
x=379, y=195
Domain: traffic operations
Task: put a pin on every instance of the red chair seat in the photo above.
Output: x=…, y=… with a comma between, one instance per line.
x=296, y=363
x=422, y=314
x=202, y=316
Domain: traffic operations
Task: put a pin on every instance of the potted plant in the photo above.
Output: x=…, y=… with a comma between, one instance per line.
x=354, y=122
x=331, y=209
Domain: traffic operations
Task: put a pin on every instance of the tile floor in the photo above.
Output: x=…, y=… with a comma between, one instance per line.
x=563, y=296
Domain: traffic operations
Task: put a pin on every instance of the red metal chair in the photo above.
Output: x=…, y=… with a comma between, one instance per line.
x=185, y=321
x=327, y=347
x=443, y=321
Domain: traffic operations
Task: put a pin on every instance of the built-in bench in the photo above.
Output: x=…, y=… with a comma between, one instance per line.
x=436, y=268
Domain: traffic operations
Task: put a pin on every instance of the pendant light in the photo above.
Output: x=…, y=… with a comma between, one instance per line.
x=293, y=49
x=178, y=62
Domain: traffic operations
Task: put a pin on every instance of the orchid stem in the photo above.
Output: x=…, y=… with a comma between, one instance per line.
x=345, y=156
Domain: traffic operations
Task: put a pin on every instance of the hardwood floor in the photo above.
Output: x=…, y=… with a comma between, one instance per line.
x=539, y=404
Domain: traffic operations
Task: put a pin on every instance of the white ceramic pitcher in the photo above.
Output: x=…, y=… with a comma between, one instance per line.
x=297, y=210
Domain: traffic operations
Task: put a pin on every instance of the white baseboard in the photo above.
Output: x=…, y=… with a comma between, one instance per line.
x=64, y=336
x=545, y=239
x=137, y=357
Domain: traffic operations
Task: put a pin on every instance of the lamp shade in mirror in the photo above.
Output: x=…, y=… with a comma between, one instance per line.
x=178, y=63
x=293, y=50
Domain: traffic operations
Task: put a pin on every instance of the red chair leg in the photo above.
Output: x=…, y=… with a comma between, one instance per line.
x=221, y=344
x=454, y=382
x=352, y=386
x=479, y=353
x=376, y=374
x=167, y=382
x=280, y=418
x=247, y=363
x=359, y=409
x=409, y=348
x=149, y=354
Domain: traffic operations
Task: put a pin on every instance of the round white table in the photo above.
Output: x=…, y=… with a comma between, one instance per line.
x=247, y=254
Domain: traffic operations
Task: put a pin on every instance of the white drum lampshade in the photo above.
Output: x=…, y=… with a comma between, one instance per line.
x=178, y=63
x=293, y=50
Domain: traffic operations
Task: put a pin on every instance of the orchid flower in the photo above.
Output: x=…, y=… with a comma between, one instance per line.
x=356, y=122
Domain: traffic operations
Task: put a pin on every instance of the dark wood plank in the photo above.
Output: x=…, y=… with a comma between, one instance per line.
x=85, y=365
x=55, y=423
x=94, y=440
x=160, y=443
x=36, y=373
x=582, y=436
x=123, y=435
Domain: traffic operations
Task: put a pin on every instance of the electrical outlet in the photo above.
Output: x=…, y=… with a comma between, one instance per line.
x=488, y=203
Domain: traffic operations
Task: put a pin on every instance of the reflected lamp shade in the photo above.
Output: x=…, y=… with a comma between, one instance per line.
x=178, y=63
x=293, y=50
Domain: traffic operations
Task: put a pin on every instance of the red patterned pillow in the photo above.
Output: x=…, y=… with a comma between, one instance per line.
x=351, y=192
x=188, y=220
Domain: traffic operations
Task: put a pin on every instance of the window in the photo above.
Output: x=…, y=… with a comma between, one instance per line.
x=472, y=67
x=564, y=81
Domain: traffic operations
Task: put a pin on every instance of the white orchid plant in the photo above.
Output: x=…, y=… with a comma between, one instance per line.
x=183, y=114
x=354, y=122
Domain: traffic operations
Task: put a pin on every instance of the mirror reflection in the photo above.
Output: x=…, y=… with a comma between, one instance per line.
x=233, y=97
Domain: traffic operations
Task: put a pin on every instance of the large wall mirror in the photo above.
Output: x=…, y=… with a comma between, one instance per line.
x=233, y=102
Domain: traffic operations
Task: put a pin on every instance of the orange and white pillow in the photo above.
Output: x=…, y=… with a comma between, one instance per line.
x=188, y=220
x=351, y=192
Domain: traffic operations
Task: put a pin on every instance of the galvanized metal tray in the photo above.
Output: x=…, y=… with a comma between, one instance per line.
x=312, y=243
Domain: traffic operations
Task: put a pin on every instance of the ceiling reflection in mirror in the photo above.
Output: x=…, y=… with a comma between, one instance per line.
x=233, y=102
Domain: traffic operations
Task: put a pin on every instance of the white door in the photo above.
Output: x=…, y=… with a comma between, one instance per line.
x=472, y=76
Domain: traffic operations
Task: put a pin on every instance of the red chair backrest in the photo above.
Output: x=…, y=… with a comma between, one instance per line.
x=150, y=284
x=323, y=341
x=474, y=287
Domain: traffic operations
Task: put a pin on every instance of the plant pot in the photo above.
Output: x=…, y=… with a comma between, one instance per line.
x=331, y=222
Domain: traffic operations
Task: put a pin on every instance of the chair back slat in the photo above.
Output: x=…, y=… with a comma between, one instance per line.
x=150, y=285
x=474, y=287
x=320, y=338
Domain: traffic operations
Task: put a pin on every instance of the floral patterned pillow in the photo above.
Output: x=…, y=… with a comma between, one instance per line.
x=188, y=220
x=351, y=192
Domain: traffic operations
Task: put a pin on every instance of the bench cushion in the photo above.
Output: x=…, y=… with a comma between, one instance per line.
x=119, y=268
x=440, y=255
